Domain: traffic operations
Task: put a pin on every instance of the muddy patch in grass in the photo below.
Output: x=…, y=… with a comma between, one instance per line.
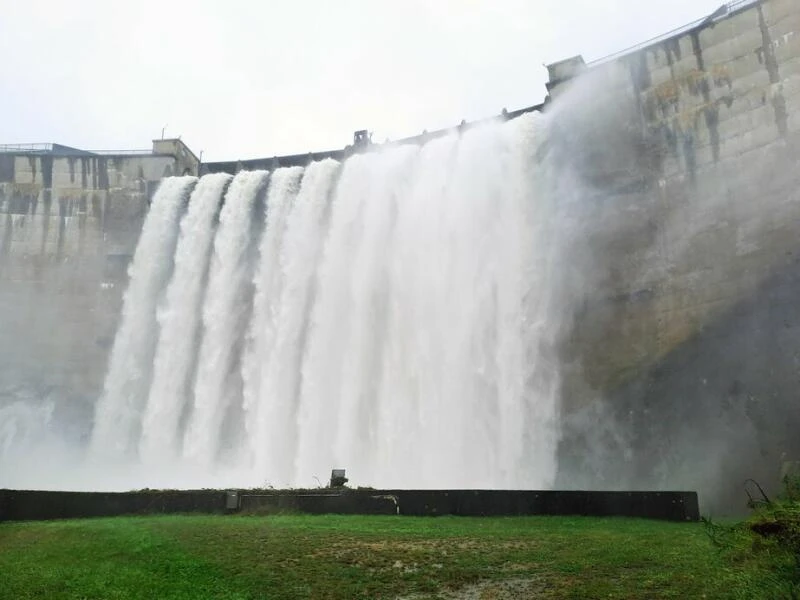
x=489, y=590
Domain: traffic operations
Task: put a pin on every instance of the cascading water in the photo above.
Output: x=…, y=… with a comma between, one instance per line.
x=393, y=314
x=179, y=322
x=224, y=318
x=342, y=370
x=276, y=439
x=118, y=414
x=284, y=186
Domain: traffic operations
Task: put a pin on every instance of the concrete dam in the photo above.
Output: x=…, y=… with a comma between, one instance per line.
x=594, y=293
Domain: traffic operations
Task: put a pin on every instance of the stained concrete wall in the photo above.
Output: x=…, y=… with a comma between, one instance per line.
x=685, y=349
x=69, y=224
x=725, y=122
x=186, y=163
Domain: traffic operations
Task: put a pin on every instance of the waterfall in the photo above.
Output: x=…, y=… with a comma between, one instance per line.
x=118, y=412
x=395, y=314
x=284, y=186
x=179, y=323
x=276, y=435
x=224, y=318
x=342, y=366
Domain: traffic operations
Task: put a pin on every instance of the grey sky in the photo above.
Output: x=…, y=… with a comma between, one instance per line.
x=240, y=78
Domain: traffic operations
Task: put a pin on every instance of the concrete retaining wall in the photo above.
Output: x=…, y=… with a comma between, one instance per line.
x=27, y=505
x=38, y=505
x=672, y=506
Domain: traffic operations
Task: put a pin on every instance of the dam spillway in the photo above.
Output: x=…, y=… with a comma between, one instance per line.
x=391, y=313
x=651, y=257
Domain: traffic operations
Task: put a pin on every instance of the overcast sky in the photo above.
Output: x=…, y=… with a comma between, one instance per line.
x=241, y=79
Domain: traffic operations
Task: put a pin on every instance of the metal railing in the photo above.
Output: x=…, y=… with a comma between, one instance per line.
x=45, y=147
x=56, y=149
x=137, y=151
x=737, y=4
x=722, y=12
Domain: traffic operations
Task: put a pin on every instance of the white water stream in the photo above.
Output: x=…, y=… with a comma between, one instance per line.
x=391, y=315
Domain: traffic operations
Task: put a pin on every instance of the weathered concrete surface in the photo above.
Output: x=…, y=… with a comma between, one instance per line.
x=69, y=223
x=683, y=362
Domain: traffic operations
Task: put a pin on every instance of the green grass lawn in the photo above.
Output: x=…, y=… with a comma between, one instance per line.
x=299, y=556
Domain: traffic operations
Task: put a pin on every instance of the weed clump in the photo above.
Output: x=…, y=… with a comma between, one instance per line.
x=779, y=521
x=768, y=539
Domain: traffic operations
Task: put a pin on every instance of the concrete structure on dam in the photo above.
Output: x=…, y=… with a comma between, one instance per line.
x=69, y=222
x=681, y=355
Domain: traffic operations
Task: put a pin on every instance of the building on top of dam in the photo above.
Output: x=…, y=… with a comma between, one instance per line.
x=27, y=169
